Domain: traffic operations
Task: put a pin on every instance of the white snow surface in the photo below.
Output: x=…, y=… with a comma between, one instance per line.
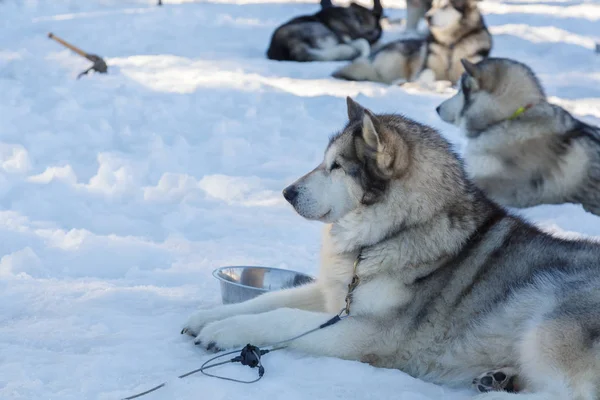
x=120, y=193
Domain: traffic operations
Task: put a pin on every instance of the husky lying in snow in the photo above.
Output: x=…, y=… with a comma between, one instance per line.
x=457, y=31
x=451, y=287
x=523, y=151
x=332, y=34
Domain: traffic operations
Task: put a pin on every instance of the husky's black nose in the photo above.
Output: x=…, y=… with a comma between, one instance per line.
x=290, y=193
x=437, y=109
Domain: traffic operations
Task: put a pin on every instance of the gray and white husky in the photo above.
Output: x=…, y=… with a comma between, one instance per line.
x=523, y=151
x=451, y=287
x=457, y=31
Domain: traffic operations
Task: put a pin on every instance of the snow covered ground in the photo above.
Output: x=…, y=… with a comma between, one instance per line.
x=119, y=194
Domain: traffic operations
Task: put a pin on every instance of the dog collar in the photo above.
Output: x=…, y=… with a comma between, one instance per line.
x=520, y=111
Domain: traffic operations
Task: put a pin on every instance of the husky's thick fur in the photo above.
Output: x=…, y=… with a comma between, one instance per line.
x=523, y=151
x=457, y=31
x=451, y=286
x=332, y=34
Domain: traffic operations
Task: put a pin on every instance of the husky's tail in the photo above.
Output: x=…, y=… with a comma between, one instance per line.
x=361, y=69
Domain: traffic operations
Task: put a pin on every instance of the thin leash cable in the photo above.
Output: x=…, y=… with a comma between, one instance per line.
x=204, y=366
x=271, y=348
x=232, y=379
x=186, y=374
x=340, y=316
x=294, y=338
x=135, y=396
x=330, y=322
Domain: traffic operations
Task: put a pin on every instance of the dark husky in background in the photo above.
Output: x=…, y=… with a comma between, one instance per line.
x=522, y=150
x=332, y=34
x=449, y=285
x=457, y=31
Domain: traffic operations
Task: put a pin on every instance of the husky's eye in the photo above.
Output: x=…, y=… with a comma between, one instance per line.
x=335, y=165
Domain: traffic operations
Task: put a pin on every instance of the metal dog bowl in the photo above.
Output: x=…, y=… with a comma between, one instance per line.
x=241, y=283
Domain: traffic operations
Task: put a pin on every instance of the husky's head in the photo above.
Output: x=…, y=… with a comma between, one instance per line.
x=358, y=21
x=489, y=92
x=448, y=14
x=380, y=174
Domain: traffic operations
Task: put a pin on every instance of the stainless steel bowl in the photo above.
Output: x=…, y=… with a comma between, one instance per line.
x=241, y=283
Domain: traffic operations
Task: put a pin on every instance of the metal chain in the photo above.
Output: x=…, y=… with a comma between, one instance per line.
x=351, y=286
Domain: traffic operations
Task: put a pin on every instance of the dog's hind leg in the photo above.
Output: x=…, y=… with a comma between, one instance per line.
x=503, y=380
x=559, y=360
x=307, y=297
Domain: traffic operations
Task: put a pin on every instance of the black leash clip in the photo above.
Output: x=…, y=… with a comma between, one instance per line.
x=250, y=356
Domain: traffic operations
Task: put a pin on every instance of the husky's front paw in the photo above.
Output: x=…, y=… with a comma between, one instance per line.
x=199, y=320
x=228, y=334
x=363, y=47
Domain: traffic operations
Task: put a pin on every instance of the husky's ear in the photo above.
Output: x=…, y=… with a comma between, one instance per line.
x=355, y=110
x=383, y=145
x=369, y=131
x=470, y=68
x=472, y=80
x=377, y=9
x=459, y=5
